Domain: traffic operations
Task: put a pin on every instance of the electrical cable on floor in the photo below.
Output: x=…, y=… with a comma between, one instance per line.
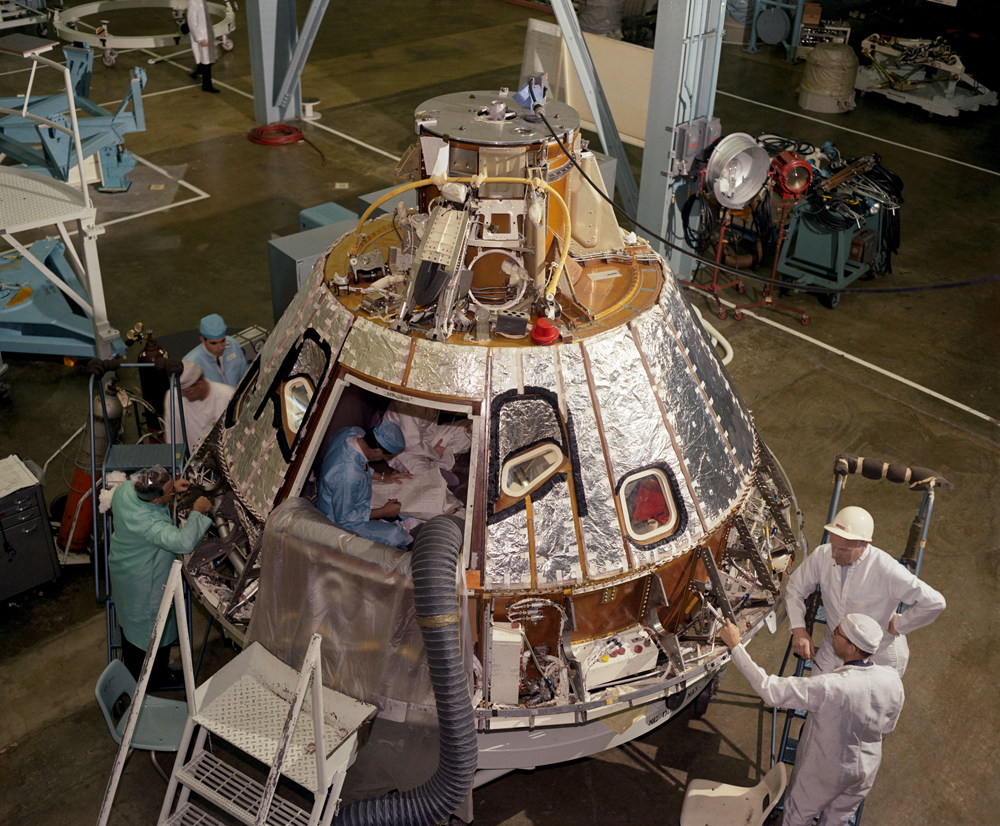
x=281, y=134
x=747, y=276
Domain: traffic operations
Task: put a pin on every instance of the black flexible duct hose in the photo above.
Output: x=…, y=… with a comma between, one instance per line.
x=435, y=559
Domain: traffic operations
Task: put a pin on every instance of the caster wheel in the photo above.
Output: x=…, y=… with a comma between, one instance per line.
x=830, y=300
x=722, y=314
x=227, y=44
x=42, y=30
x=741, y=288
x=805, y=321
x=109, y=57
x=738, y=315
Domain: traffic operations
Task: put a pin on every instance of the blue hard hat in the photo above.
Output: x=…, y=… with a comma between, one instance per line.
x=212, y=326
x=390, y=437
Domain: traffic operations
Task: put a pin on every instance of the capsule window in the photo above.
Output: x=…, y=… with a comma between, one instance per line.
x=295, y=397
x=648, y=505
x=523, y=473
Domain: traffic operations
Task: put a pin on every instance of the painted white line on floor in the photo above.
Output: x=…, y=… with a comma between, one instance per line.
x=354, y=140
x=856, y=132
x=863, y=363
x=200, y=195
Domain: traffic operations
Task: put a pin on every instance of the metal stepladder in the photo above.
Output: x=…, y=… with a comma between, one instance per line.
x=126, y=459
x=249, y=703
x=917, y=478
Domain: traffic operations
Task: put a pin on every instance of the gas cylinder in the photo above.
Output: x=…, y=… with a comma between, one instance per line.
x=78, y=516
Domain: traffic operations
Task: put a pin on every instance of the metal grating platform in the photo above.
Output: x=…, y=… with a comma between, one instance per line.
x=234, y=792
x=252, y=717
x=32, y=200
x=191, y=815
x=134, y=457
x=247, y=702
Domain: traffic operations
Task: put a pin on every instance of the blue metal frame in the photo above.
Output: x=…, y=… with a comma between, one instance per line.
x=102, y=132
x=46, y=322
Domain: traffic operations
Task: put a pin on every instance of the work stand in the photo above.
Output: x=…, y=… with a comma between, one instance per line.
x=714, y=287
x=767, y=298
x=251, y=705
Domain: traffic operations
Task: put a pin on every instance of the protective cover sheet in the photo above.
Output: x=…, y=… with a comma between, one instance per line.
x=358, y=595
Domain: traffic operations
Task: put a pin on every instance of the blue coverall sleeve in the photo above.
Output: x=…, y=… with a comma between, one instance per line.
x=351, y=499
x=236, y=367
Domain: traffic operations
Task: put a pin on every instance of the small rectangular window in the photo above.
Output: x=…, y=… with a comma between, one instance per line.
x=525, y=472
x=649, y=508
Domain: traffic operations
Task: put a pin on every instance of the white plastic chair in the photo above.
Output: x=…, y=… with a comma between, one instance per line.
x=709, y=803
x=161, y=722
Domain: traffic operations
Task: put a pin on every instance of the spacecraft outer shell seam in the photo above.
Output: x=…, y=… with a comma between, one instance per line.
x=532, y=562
x=607, y=460
x=681, y=459
x=708, y=405
x=479, y=507
x=740, y=409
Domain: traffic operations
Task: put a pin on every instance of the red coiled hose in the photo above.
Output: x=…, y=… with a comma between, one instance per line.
x=281, y=134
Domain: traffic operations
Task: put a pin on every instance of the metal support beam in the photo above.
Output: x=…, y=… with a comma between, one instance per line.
x=272, y=33
x=628, y=191
x=686, y=54
x=293, y=74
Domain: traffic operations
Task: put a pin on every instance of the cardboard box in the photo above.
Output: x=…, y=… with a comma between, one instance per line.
x=811, y=14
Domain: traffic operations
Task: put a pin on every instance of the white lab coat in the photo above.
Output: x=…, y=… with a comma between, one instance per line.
x=199, y=417
x=200, y=28
x=850, y=710
x=421, y=432
x=875, y=585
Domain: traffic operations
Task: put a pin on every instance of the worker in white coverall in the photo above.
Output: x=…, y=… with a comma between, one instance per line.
x=428, y=444
x=144, y=544
x=205, y=402
x=202, y=43
x=850, y=710
x=855, y=576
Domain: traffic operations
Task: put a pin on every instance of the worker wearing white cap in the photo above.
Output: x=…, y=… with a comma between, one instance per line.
x=345, y=483
x=219, y=356
x=850, y=710
x=204, y=403
x=854, y=575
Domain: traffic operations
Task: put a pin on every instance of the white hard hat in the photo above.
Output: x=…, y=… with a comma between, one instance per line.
x=852, y=522
x=863, y=631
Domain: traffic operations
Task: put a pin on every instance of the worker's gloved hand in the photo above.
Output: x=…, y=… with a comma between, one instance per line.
x=181, y=485
x=802, y=644
x=396, y=477
x=202, y=505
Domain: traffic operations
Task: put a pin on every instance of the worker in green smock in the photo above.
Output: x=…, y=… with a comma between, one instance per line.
x=144, y=544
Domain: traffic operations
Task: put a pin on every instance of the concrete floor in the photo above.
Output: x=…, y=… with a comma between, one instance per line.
x=908, y=377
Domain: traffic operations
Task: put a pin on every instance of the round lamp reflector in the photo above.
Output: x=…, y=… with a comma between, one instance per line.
x=736, y=170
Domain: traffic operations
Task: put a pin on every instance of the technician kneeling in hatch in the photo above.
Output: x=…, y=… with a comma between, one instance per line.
x=345, y=484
